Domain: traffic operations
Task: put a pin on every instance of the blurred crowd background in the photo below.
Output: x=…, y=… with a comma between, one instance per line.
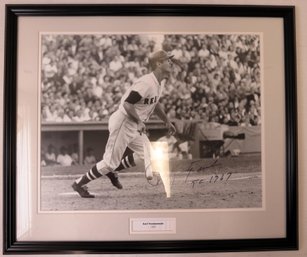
x=84, y=76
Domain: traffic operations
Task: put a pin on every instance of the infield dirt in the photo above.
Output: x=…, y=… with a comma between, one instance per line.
x=228, y=183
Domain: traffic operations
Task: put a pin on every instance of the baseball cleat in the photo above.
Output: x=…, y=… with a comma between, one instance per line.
x=82, y=191
x=114, y=180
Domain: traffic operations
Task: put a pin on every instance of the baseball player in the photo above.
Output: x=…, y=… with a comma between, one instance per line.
x=126, y=125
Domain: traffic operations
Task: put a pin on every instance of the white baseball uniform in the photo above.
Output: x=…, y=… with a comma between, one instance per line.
x=123, y=130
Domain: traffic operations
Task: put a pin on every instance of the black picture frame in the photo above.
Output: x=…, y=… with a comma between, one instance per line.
x=12, y=246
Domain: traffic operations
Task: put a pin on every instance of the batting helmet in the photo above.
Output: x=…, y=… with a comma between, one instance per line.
x=159, y=56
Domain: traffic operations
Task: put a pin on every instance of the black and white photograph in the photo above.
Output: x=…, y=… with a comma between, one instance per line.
x=150, y=122
x=150, y=128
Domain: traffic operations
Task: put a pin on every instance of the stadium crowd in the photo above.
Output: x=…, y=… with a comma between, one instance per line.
x=84, y=76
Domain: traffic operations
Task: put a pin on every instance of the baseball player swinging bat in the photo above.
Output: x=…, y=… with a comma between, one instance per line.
x=136, y=107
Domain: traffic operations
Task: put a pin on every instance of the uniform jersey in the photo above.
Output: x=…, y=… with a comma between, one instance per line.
x=150, y=90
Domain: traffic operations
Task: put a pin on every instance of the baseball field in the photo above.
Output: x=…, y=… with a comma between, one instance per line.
x=234, y=182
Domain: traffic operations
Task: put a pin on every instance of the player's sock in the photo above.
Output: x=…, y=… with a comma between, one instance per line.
x=126, y=162
x=89, y=176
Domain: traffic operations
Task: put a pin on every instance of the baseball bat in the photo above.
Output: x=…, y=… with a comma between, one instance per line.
x=147, y=157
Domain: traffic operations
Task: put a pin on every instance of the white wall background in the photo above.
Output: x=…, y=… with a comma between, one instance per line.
x=301, y=37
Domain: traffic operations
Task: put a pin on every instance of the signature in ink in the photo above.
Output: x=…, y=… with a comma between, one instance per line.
x=213, y=179
x=199, y=169
x=225, y=176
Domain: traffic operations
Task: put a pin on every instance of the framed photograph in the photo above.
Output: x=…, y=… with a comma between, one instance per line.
x=149, y=129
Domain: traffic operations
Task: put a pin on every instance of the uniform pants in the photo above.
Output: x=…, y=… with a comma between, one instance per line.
x=123, y=134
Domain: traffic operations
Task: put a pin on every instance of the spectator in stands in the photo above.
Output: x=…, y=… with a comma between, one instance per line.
x=116, y=64
x=234, y=118
x=62, y=116
x=50, y=69
x=204, y=52
x=43, y=161
x=78, y=70
x=50, y=155
x=89, y=158
x=64, y=159
x=177, y=52
x=75, y=153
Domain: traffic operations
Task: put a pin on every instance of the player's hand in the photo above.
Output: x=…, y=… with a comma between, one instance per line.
x=141, y=128
x=171, y=128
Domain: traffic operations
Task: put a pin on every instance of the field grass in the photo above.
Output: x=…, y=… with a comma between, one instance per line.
x=194, y=184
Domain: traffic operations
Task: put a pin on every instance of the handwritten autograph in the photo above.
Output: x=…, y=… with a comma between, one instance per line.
x=225, y=176
x=213, y=179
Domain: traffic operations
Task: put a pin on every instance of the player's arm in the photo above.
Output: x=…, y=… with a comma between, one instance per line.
x=128, y=105
x=161, y=114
